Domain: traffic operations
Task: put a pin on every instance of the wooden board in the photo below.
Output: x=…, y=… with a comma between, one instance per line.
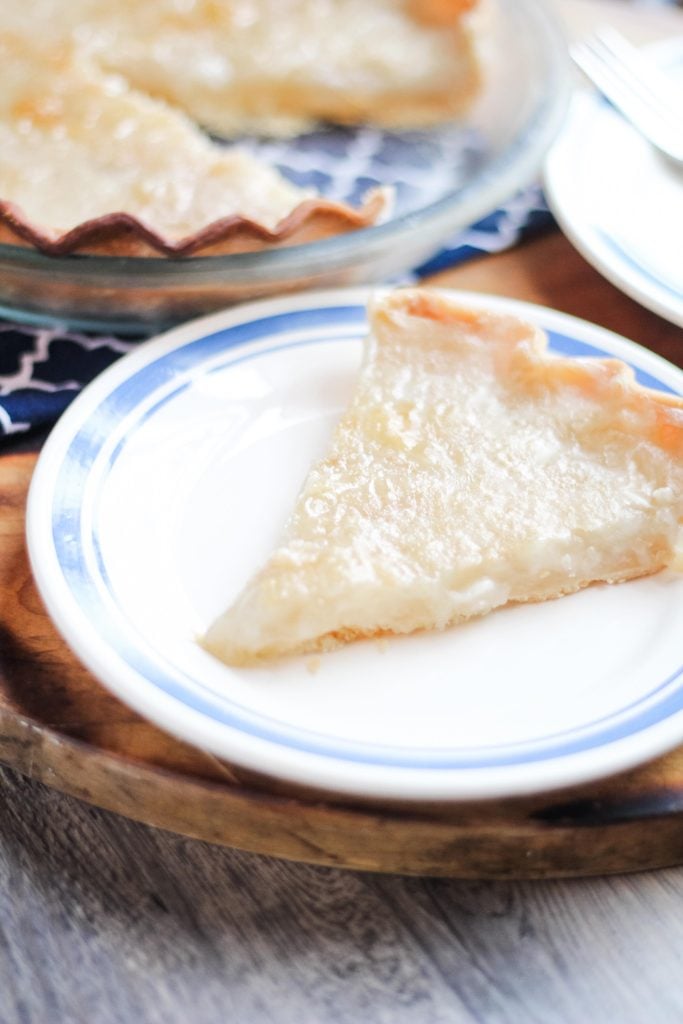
x=58, y=725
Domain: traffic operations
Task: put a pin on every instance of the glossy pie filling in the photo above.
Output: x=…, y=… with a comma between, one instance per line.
x=470, y=470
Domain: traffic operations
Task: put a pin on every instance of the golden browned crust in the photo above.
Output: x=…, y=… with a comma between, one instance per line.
x=122, y=234
x=657, y=415
x=439, y=12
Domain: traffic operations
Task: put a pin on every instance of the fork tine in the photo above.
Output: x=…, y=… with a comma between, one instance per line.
x=617, y=85
x=623, y=75
x=636, y=74
x=651, y=82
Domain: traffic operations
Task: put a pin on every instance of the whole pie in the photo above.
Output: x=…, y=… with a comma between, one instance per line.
x=101, y=140
x=471, y=469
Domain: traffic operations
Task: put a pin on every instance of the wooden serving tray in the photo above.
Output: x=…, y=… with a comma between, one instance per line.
x=60, y=727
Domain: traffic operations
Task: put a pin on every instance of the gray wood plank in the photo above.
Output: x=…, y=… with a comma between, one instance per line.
x=106, y=921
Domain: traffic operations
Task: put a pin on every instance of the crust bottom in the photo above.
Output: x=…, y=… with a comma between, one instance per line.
x=340, y=638
x=121, y=234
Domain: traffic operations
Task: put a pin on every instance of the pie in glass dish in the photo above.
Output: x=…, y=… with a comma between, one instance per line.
x=104, y=123
x=471, y=469
x=89, y=164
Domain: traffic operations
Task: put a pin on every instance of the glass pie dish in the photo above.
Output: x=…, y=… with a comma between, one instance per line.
x=444, y=179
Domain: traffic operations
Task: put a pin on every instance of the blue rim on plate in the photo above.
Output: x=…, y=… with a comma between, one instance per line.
x=73, y=579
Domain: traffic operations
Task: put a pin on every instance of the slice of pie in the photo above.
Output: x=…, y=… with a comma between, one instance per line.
x=470, y=470
x=90, y=165
x=276, y=66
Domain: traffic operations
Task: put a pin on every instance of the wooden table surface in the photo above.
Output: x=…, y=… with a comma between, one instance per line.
x=105, y=921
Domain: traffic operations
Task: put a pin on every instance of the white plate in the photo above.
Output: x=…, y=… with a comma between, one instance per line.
x=166, y=483
x=618, y=201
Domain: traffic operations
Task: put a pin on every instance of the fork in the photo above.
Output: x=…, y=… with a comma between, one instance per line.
x=637, y=89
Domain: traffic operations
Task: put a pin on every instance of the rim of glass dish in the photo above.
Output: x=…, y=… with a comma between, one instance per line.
x=475, y=198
